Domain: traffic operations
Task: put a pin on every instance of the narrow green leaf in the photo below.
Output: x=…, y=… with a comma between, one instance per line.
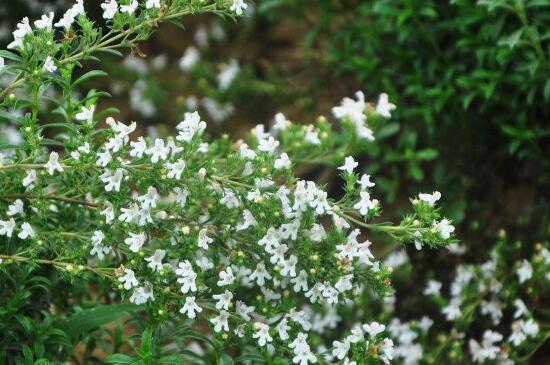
x=119, y=359
x=90, y=319
x=89, y=75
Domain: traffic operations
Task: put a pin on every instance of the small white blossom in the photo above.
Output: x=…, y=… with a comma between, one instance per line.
x=238, y=6
x=175, y=169
x=349, y=165
x=525, y=271
x=53, y=163
x=226, y=277
x=110, y=7
x=384, y=107
x=135, y=241
x=444, y=228
x=189, y=58
x=86, y=114
x=220, y=322
x=150, y=4
x=430, y=199
x=7, y=227
x=262, y=334
x=129, y=279
x=130, y=8
x=45, y=22
x=283, y=162
x=155, y=260
x=16, y=208
x=190, y=308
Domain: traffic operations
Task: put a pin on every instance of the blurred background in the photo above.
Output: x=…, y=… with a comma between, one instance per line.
x=471, y=80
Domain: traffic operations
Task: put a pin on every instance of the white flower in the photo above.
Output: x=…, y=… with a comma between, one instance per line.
x=16, y=208
x=226, y=277
x=223, y=300
x=260, y=274
x=444, y=228
x=365, y=204
x=488, y=349
x=112, y=179
x=135, y=241
x=110, y=7
x=340, y=349
x=387, y=351
x=355, y=111
x=204, y=240
x=190, y=126
x=384, y=107
x=129, y=279
x=238, y=6
x=349, y=165
x=188, y=283
x=220, y=322
x=130, y=8
x=108, y=212
x=280, y=122
x=302, y=351
x=158, y=151
x=244, y=310
x=142, y=294
x=2, y=63
x=430, y=199
x=248, y=221
x=23, y=28
x=86, y=114
x=26, y=231
x=138, y=148
x=374, y=328
x=432, y=288
x=282, y=329
x=103, y=158
x=452, y=310
x=30, y=179
x=99, y=249
x=228, y=74
x=521, y=308
x=283, y=162
x=246, y=152
x=6, y=227
x=189, y=58
x=70, y=15
x=175, y=169
x=262, y=333
x=45, y=22
x=268, y=145
x=155, y=260
x=344, y=283
x=152, y=4
x=365, y=182
x=53, y=163
x=190, y=307
x=525, y=271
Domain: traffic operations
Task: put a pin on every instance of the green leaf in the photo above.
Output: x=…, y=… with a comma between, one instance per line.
x=90, y=319
x=4, y=147
x=147, y=340
x=427, y=154
x=89, y=75
x=10, y=56
x=511, y=40
x=170, y=359
x=226, y=360
x=71, y=127
x=119, y=359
